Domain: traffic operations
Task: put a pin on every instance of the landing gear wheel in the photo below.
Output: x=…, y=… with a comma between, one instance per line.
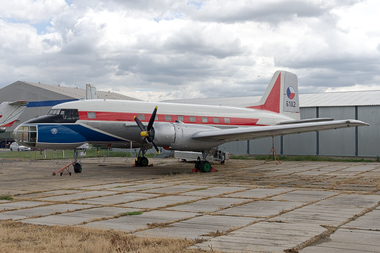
x=205, y=166
x=77, y=167
x=142, y=161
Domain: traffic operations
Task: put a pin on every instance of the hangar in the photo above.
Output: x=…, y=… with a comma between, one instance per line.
x=41, y=98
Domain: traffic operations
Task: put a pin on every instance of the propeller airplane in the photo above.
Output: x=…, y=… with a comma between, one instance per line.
x=185, y=127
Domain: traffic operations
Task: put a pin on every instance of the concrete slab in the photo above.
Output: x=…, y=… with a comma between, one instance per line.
x=304, y=196
x=263, y=237
x=332, y=212
x=261, y=208
x=78, y=217
x=117, y=199
x=259, y=193
x=351, y=200
x=176, y=189
x=161, y=201
x=40, y=211
x=20, y=204
x=106, y=186
x=45, y=194
x=142, y=186
x=208, y=205
x=317, y=215
x=199, y=227
x=369, y=221
x=136, y=222
x=213, y=191
x=75, y=196
x=345, y=240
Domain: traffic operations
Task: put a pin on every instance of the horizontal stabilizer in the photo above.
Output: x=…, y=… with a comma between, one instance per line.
x=18, y=103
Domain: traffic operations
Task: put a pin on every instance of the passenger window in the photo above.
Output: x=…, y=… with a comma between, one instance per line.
x=193, y=119
x=204, y=119
x=180, y=118
x=227, y=120
x=141, y=116
x=216, y=120
x=168, y=118
x=91, y=115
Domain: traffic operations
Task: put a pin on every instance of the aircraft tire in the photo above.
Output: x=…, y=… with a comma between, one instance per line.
x=205, y=166
x=142, y=161
x=77, y=167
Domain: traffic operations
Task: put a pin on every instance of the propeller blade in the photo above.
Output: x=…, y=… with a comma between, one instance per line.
x=155, y=146
x=139, y=124
x=152, y=118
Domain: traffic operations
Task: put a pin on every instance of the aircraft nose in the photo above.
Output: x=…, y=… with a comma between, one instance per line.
x=26, y=135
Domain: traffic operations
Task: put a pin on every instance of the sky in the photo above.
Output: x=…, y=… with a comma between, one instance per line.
x=177, y=49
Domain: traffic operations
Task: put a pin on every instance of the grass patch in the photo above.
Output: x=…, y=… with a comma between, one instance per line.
x=6, y=197
x=130, y=213
x=20, y=237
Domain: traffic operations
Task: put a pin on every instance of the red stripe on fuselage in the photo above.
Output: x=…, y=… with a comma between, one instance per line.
x=121, y=116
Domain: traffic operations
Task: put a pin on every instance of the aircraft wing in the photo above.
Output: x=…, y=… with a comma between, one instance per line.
x=248, y=133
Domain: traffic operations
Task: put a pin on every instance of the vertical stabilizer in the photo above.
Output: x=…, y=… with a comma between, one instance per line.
x=281, y=95
x=10, y=111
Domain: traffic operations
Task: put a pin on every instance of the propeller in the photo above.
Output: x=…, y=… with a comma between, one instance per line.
x=148, y=132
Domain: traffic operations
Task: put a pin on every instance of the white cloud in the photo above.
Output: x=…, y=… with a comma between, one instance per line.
x=180, y=49
x=33, y=11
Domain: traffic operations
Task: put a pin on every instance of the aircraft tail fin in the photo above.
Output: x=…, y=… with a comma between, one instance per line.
x=10, y=111
x=281, y=95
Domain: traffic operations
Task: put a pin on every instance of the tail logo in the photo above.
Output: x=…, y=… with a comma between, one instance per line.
x=290, y=92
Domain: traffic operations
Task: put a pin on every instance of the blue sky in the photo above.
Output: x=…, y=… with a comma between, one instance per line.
x=172, y=49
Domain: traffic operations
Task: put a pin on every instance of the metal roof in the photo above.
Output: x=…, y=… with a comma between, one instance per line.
x=78, y=93
x=326, y=99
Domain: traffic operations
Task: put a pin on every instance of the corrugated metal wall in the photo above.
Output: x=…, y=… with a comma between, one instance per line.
x=361, y=141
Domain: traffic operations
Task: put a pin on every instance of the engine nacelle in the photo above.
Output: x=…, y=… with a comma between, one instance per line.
x=178, y=136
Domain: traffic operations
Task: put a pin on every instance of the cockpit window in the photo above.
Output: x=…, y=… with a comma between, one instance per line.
x=70, y=114
x=54, y=112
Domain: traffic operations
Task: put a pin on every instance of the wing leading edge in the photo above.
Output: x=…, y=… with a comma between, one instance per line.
x=248, y=133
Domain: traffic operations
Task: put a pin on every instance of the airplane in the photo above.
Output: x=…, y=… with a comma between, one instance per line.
x=9, y=113
x=172, y=126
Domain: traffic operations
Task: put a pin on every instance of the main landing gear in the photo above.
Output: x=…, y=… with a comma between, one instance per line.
x=203, y=165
